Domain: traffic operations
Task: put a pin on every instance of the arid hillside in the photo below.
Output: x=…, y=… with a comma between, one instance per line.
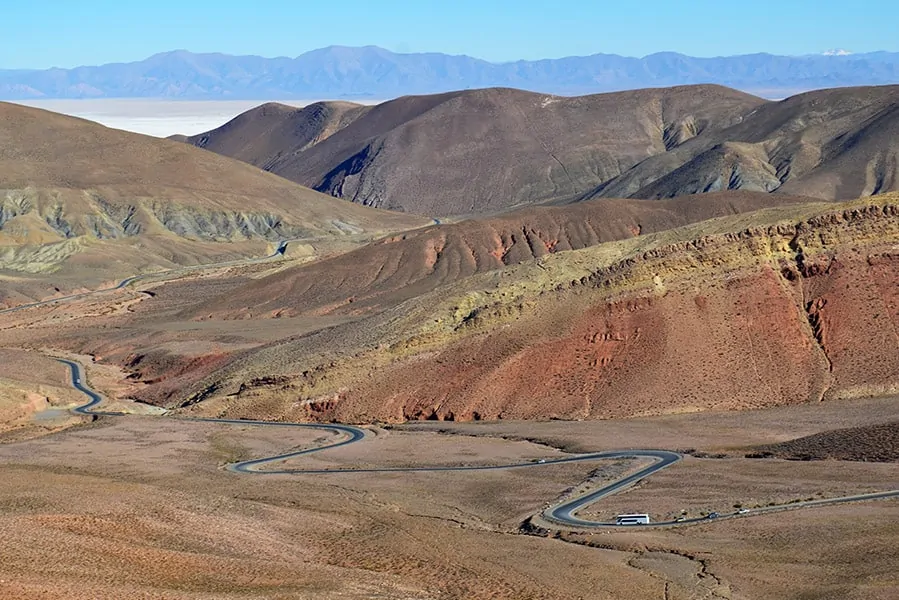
x=785, y=305
x=272, y=133
x=484, y=151
x=401, y=267
x=477, y=151
x=76, y=193
x=793, y=305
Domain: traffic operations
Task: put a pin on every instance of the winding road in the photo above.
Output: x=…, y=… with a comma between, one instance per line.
x=563, y=513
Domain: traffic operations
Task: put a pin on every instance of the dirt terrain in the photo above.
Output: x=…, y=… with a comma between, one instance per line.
x=146, y=511
x=34, y=391
x=483, y=151
x=874, y=443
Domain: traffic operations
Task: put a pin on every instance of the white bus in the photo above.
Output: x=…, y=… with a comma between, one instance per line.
x=637, y=519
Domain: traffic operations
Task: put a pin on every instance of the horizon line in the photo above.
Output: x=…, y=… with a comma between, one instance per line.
x=837, y=54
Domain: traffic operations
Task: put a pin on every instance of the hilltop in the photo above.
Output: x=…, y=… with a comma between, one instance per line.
x=486, y=151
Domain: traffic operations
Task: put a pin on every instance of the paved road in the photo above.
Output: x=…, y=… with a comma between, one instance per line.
x=564, y=513
x=279, y=251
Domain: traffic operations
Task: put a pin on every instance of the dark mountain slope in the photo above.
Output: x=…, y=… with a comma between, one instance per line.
x=833, y=144
x=270, y=133
x=483, y=151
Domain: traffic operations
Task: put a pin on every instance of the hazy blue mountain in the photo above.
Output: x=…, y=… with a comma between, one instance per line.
x=372, y=72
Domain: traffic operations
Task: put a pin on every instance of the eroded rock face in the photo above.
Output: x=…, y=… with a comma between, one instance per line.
x=852, y=300
x=769, y=316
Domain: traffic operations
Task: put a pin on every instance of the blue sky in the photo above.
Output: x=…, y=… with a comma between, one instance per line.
x=66, y=33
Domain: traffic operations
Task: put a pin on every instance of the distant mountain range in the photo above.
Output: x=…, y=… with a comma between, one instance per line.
x=374, y=73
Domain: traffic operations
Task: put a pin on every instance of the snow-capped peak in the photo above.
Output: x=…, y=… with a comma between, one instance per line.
x=837, y=52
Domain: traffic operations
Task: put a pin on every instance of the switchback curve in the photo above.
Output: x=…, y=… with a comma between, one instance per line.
x=562, y=514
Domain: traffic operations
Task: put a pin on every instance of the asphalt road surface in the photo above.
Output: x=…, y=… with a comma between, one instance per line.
x=564, y=513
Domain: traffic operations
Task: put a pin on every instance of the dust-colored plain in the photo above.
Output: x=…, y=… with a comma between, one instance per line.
x=140, y=507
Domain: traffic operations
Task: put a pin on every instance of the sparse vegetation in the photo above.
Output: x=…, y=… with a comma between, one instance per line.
x=875, y=443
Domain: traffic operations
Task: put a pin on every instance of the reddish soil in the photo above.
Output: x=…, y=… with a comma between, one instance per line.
x=853, y=303
x=778, y=333
x=742, y=344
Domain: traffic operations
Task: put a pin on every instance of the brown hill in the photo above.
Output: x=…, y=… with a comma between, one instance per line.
x=484, y=151
x=401, y=267
x=833, y=144
x=272, y=133
x=477, y=151
x=70, y=187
